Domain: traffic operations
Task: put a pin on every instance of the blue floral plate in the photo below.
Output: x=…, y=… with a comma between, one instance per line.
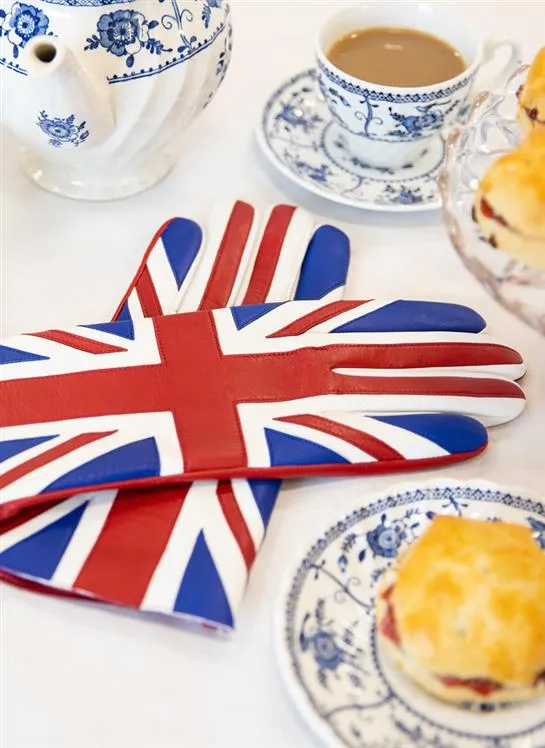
x=325, y=628
x=299, y=136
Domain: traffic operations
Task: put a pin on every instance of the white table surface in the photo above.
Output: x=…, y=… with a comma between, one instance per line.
x=79, y=676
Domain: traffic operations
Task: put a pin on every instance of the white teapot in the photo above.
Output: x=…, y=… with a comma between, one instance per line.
x=98, y=92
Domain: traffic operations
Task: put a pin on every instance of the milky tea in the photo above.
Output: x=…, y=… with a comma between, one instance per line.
x=396, y=57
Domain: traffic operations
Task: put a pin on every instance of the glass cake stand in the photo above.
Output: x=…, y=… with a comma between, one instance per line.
x=491, y=130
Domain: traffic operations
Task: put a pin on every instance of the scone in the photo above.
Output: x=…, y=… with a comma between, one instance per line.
x=510, y=202
x=463, y=612
x=531, y=96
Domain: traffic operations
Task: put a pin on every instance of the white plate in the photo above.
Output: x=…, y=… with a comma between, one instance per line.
x=325, y=628
x=299, y=136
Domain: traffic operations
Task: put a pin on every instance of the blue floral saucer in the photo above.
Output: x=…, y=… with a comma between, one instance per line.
x=325, y=628
x=301, y=139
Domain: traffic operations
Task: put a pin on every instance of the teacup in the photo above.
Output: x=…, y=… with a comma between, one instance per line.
x=388, y=126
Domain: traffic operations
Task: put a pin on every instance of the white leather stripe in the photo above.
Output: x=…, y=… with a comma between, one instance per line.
x=166, y=579
x=83, y=540
x=489, y=410
x=252, y=423
x=62, y=359
x=38, y=479
x=341, y=447
x=179, y=304
x=251, y=339
x=29, y=454
x=274, y=320
x=38, y=523
x=193, y=294
x=247, y=260
x=163, y=278
x=135, y=307
x=411, y=446
x=225, y=552
x=346, y=317
x=294, y=249
x=201, y=511
x=250, y=512
x=489, y=371
x=127, y=429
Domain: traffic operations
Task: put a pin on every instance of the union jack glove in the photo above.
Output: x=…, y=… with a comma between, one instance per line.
x=334, y=440
x=272, y=390
x=184, y=550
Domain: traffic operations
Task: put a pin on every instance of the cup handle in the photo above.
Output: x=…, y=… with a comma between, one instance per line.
x=497, y=81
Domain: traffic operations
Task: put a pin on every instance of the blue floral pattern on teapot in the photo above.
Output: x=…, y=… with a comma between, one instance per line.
x=122, y=33
x=67, y=65
x=125, y=33
x=22, y=23
x=62, y=131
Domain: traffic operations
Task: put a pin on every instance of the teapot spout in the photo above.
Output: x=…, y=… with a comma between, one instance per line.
x=74, y=106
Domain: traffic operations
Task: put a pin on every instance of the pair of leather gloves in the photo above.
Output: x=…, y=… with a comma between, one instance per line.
x=232, y=361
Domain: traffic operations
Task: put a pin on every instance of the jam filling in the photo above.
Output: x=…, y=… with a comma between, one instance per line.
x=388, y=625
x=482, y=686
x=530, y=113
x=489, y=212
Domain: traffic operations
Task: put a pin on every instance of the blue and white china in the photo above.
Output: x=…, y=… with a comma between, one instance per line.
x=388, y=126
x=98, y=92
x=325, y=633
x=302, y=140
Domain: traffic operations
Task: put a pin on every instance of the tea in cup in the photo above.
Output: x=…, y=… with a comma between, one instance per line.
x=396, y=74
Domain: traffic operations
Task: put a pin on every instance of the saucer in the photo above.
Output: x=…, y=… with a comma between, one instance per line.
x=348, y=692
x=299, y=136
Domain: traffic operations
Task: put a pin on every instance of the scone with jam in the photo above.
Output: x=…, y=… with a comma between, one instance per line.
x=531, y=96
x=509, y=203
x=463, y=612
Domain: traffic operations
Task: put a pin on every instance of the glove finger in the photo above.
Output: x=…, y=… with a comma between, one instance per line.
x=165, y=270
x=295, y=259
x=229, y=243
x=492, y=400
x=250, y=259
x=412, y=316
x=424, y=354
x=185, y=269
x=135, y=470
x=387, y=443
x=325, y=267
x=375, y=316
x=281, y=247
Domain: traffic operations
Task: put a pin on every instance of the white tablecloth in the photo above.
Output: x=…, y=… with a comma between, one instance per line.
x=79, y=676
